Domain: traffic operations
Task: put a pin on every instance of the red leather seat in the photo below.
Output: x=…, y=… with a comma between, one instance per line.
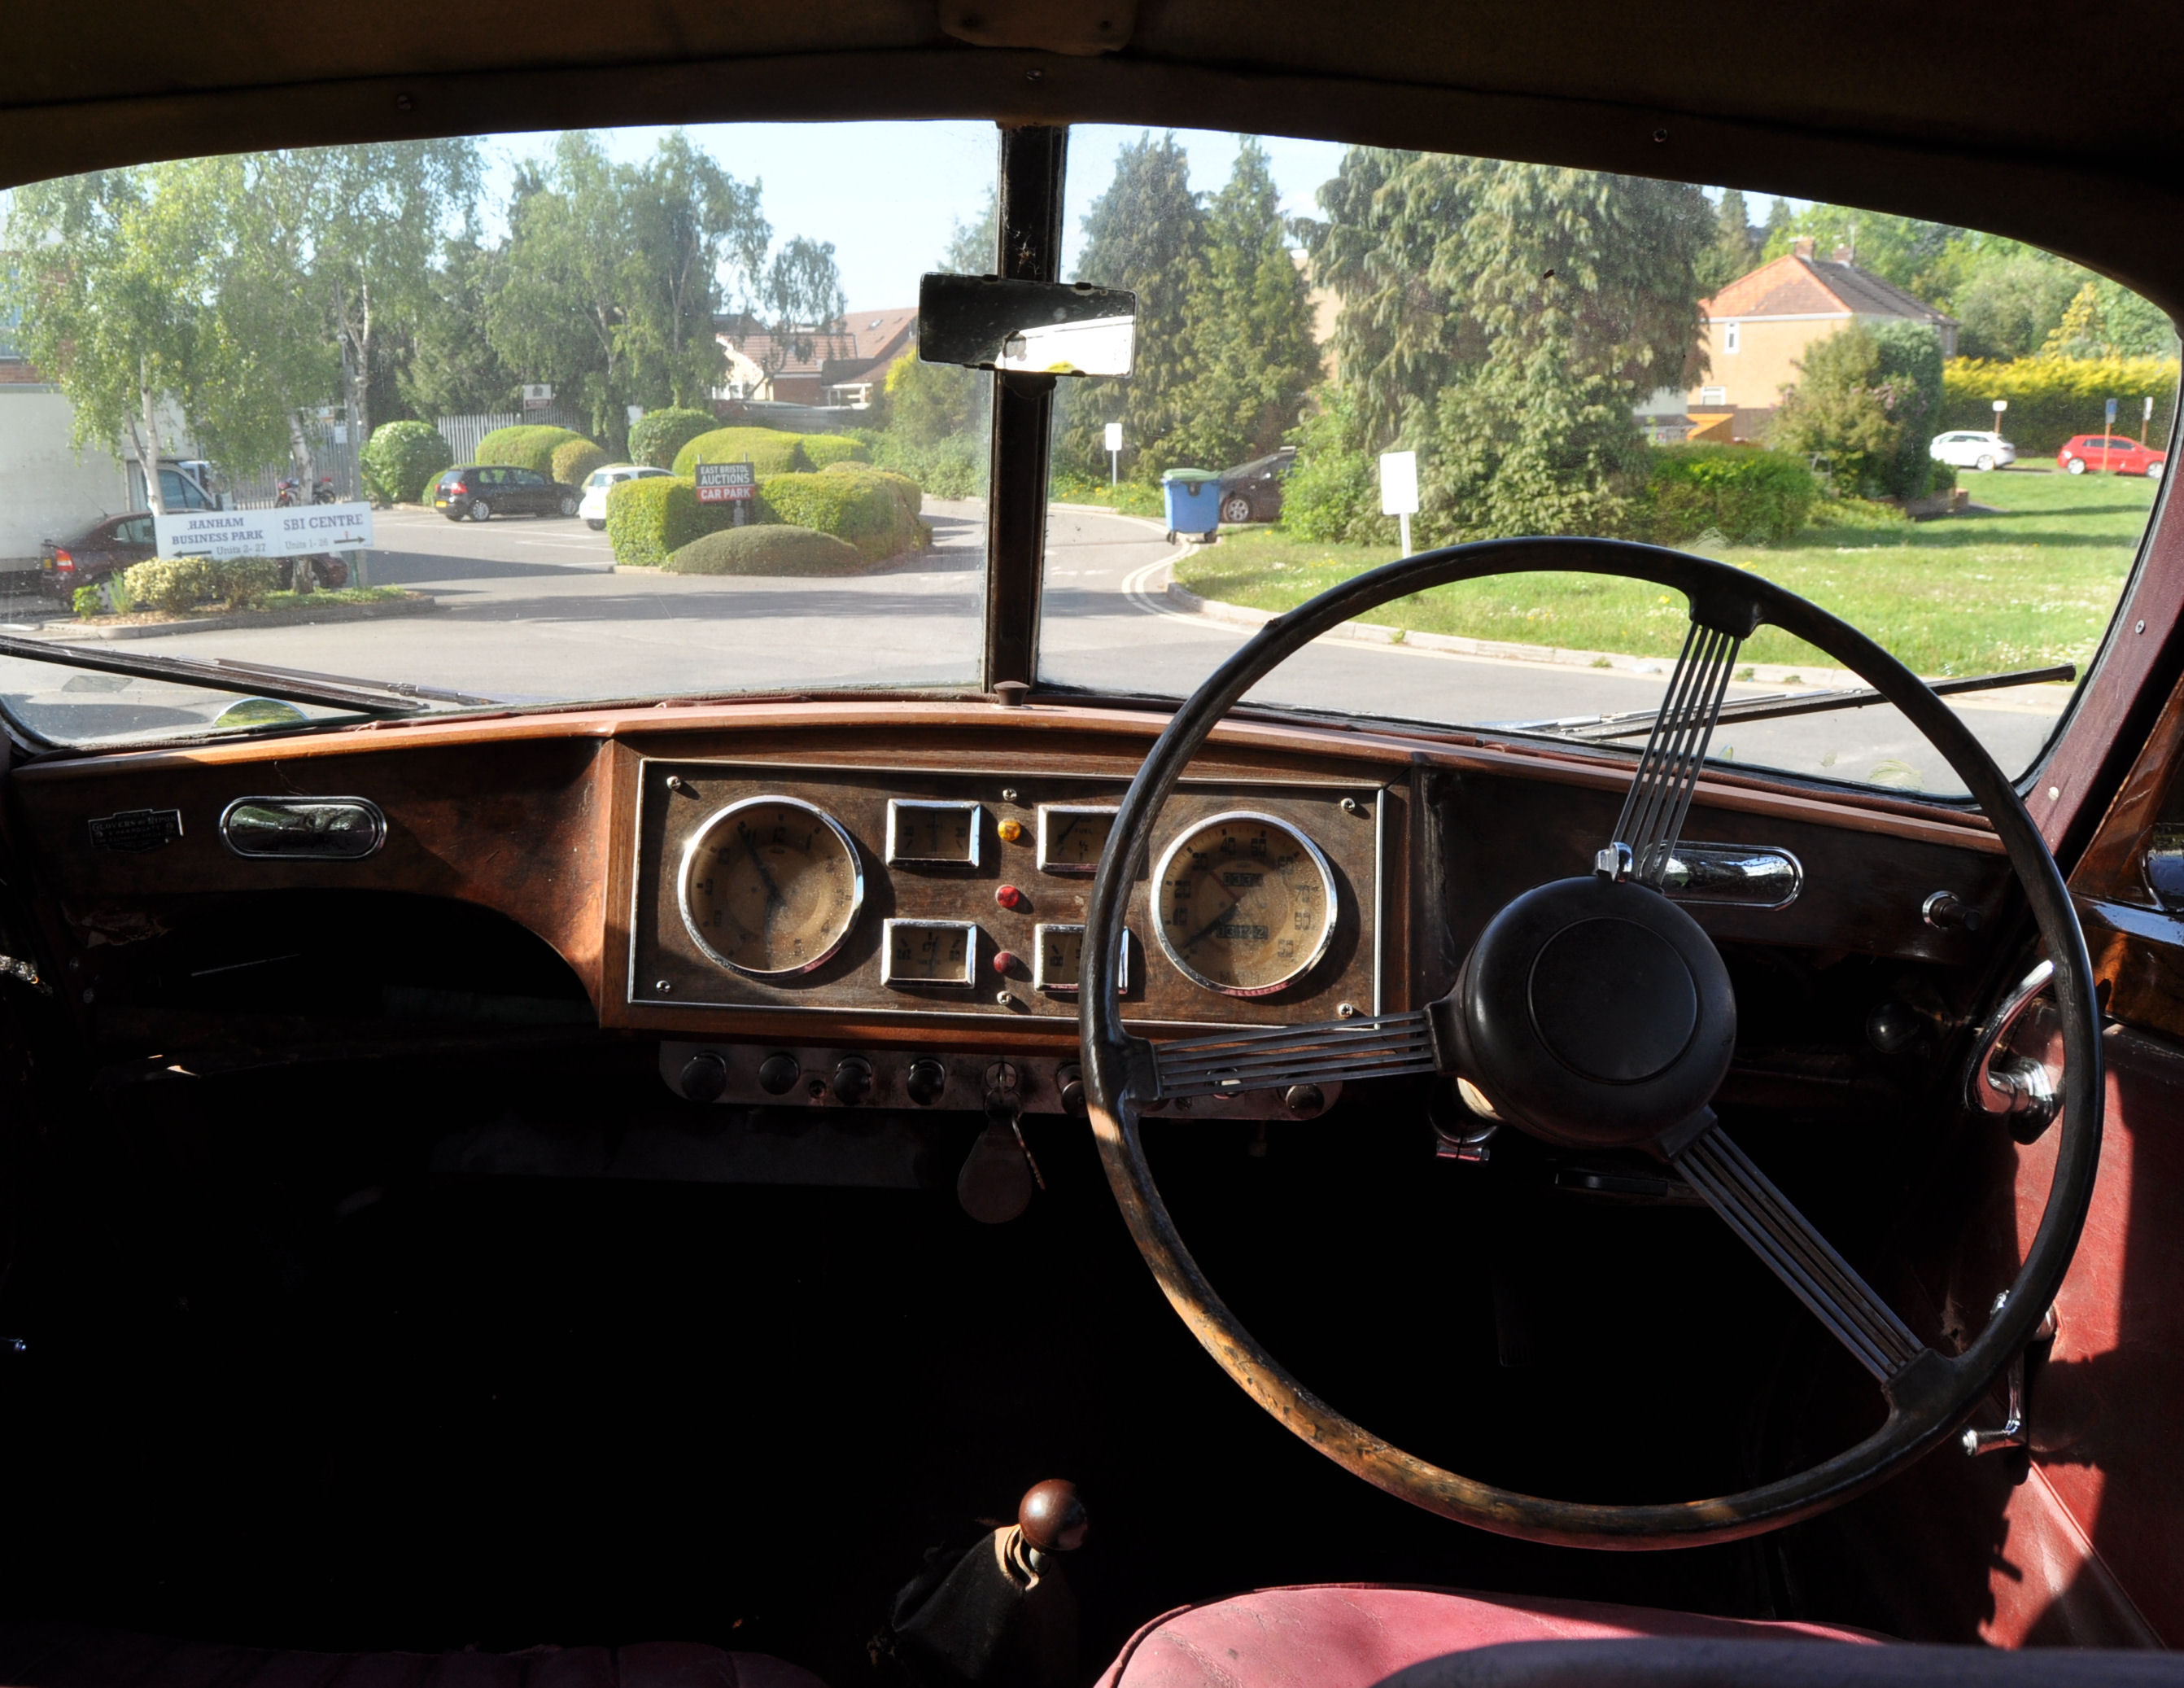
x=66, y=1656
x=1353, y=1635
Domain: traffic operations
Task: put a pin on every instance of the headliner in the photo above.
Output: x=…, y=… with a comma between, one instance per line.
x=1997, y=120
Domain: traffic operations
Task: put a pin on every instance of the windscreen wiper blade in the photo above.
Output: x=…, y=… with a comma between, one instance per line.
x=292, y=686
x=1773, y=705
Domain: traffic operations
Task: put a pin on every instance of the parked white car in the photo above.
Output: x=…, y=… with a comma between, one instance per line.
x=594, y=509
x=1969, y=450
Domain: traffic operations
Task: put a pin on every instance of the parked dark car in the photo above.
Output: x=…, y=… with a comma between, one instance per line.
x=480, y=491
x=105, y=549
x=1252, y=492
x=110, y=546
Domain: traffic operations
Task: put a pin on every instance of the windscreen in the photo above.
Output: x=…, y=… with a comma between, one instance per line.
x=512, y=419
x=1952, y=440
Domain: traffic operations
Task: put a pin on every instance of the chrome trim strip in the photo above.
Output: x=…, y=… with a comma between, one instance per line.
x=1068, y=987
x=373, y=812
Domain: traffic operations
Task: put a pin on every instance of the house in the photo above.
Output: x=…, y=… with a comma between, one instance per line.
x=841, y=363
x=1754, y=331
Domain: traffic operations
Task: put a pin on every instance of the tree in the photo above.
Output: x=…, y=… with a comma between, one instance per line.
x=1912, y=252
x=803, y=295
x=1864, y=403
x=453, y=368
x=1146, y=232
x=1735, y=248
x=2007, y=307
x=107, y=292
x=974, y=247
x=692, y=221
x=1247, y=328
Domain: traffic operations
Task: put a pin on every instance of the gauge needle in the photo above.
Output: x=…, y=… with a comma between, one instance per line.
x=1234, y=904
x=774, y=899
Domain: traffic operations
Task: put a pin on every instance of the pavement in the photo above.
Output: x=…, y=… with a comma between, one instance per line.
x=533, y=611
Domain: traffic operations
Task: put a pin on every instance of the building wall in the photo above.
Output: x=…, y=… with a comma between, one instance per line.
x=1753, y=377
x=47, y=492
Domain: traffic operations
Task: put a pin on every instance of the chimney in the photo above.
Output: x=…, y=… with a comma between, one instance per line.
x=1802, y=247
x=1844, y=254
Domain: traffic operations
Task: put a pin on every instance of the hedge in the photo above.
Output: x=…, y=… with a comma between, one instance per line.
x=826, y=450
x=1747, y=496
x=648, y=521
x=775, y=548
x=575, y=459
x=656, y=437
x=872, y=509
x=525, y=446
x=401, y=459
x=174, y=584
x=770, y=450
x=2052, y=398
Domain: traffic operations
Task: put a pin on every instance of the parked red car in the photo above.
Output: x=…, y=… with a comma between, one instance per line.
x=2117, y=453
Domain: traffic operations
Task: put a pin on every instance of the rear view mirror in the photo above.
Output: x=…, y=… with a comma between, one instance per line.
x=1031, y=327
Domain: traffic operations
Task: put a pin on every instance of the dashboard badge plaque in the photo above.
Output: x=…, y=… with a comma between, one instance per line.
x=303, y=828
x=137, y=830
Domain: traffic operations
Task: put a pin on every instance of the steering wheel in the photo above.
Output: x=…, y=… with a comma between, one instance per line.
x=1594, y=1012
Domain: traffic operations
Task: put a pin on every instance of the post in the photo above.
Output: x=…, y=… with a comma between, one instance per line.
x=2146, y=421
x=1114, y=432
x=1403, y=521
x=2108, y=429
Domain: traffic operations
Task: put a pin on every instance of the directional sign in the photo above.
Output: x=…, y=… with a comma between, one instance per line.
x=304, y=531
x=1114, y=436
x=722, y=483
x=1399, y=483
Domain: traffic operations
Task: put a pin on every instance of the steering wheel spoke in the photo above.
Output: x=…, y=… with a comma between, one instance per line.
x=1772, y=1227
x=1652, y=818
x=1229, y=1063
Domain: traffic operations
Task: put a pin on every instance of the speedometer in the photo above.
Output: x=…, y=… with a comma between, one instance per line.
x=771, y=885
x=1246, y=903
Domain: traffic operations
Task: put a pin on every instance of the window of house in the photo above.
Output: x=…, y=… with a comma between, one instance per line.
x=1713, y=395
x=1729, y=338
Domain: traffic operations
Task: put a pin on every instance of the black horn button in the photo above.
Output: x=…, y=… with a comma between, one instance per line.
x=1612, y=1000
x=1594, y=1014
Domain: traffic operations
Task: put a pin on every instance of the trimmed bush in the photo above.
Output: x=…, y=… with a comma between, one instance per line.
x=246, y=583
x=2052, y=398
x=525, y=446
x=771, y=451
x=650, y=520
x=774, y=548
x=656, y=436
x=1747, y=496
x=872, y=509
x=574, y=461
x=401, y=459
x=88, y=602
x=824, y=451
x=172, y=584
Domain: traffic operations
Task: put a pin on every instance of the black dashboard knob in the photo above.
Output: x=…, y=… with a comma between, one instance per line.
x=777, y=1074
x=853, y=1078
x=704, y=1075
x=1069, y=1081
x=926, y=1079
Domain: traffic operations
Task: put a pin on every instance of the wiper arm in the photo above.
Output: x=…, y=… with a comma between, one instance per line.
x=1773, y=705
x=288, y=685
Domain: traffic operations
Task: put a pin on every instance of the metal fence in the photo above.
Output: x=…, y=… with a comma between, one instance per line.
x=463, y=434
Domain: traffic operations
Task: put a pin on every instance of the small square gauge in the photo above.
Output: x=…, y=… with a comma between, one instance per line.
x=1071, y=837
x=933, y=834
x=1057, y=952
x=929, y=952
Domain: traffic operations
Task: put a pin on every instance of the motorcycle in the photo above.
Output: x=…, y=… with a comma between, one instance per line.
x=288, y=491
x=328, y=573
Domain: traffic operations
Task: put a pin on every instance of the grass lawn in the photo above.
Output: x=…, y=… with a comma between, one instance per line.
x=2034, y=582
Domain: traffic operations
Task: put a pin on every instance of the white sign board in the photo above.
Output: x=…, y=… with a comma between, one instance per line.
x=303, y=530
x=1114, y=436
x=537, y=393
x=1399, y=483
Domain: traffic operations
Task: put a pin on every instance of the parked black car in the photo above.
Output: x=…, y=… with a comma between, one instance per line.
x=1252, y=492
x=480, y=491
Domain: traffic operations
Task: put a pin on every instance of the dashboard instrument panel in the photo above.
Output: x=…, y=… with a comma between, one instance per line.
x=961, y=894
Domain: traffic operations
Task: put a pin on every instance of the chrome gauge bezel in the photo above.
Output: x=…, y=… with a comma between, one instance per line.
x=1075, y=870
x=1041, y=982
x=1330, y=898
x=703, y=830
x=897, y=807
x=889, y=977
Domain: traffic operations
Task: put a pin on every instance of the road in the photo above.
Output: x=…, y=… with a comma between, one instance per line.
x=533, y=611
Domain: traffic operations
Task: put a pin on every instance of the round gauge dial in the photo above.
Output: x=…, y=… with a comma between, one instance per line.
x=771, y=885
x=1246, y=903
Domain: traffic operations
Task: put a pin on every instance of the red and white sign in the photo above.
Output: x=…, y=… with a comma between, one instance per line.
x=722, y=483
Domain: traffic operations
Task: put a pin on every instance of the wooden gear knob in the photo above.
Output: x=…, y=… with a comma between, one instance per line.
x=1051, y=1517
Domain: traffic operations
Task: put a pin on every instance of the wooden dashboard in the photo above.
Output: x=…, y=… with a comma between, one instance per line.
x=566, y=825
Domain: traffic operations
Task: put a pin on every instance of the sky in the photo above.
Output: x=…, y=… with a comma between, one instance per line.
x=889, y=195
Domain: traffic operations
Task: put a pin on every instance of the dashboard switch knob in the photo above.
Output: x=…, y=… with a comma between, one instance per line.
x=1010, y=898
x=925, y=1081
x=1069, y=1082
x=777, y=1074
x=705, y=1076
x=1005, y=962
x=853, y=1078
x=1304, y=1101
